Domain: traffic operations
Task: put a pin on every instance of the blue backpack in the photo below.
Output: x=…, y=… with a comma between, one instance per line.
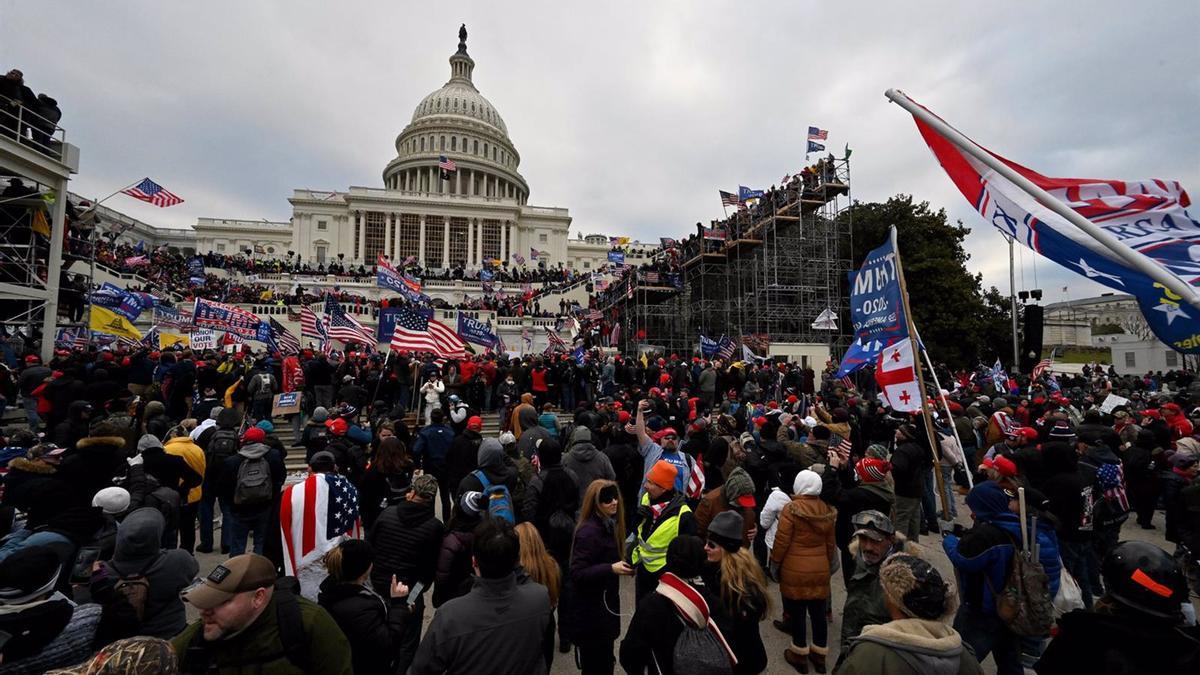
x=499, y=501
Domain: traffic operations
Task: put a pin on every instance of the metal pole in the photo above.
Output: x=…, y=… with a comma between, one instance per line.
x=913, y=340
x=1012, y=303
x=949, y=416
x=1131, y=257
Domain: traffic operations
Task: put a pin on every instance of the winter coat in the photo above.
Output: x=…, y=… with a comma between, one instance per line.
x=1118, y=642
x=851, y=502
x=864, y=596
x=168, y=572
x=498, y=616
x=768, y=519
x=462, y=457
x=227, y=483
x=431, y=448
x=193, y=456
x=259, y=649
x=551, y=502
x=594, y=589
x=375, y=488
x=744, y=617
x=714, y=502
x=531, y=431
x=910, y=463
x=50, y=634
x=406, y=538
x=656, y=626
x=1066, y=490
x=910, y=647
x=374, y=625
x=498, y=471
x=454, y=567
x=804, y=546
x=585, y=461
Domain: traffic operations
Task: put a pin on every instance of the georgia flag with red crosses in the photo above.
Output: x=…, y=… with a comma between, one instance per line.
x=897, y=378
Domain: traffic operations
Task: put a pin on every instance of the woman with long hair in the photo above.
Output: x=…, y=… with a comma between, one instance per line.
x=540, y=567
x=386, y=479
x=741, y=586
x=592, y=619
x=375, y=626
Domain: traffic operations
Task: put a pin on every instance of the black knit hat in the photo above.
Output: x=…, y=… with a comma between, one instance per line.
x=357, y=556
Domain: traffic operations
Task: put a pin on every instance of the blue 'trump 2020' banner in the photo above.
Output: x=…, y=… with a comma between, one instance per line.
x=876, y=309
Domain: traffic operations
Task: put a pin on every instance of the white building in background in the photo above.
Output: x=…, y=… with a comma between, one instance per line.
x=1132, y=355
x=460, y=218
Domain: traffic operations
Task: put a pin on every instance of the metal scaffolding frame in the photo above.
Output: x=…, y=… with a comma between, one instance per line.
x=778, y=269
x=35, y=152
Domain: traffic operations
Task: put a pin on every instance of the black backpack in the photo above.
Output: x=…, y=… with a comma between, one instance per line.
x=222, y=446
x=198, y=655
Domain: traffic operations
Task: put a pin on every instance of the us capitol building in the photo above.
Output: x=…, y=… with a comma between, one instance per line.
x=481, y=212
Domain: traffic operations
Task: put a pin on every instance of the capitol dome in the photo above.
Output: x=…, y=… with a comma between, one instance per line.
x=457, y=122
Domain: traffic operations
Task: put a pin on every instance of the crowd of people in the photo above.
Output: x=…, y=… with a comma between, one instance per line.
x=725, y=491
x=30, y=118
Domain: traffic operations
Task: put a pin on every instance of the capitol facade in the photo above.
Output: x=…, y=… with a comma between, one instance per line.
x=440, y=219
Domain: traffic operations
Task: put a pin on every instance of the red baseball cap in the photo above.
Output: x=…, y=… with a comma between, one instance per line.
x=475, y=423
x=663, y=433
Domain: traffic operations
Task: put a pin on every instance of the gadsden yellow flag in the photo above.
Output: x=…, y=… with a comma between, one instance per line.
x=106, y=321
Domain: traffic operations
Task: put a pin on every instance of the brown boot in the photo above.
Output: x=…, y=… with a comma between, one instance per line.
x=797, y=657
x=818, y=658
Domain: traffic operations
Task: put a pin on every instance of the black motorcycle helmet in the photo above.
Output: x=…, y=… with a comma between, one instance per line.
x=1145, y=578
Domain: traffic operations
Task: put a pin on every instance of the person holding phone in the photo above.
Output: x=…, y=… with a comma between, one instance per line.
x=374, y=625
x=592, y=620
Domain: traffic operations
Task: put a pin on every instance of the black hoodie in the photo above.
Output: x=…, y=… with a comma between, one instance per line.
x=373, y=624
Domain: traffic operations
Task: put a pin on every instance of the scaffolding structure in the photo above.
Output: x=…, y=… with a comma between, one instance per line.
x=36, y=164
x=778, y=268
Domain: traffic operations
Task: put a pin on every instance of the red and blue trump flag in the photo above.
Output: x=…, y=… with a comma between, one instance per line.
x=1148, y=216
x=876, y=309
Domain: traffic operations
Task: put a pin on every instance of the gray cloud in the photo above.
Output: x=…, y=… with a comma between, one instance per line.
x=631, y=114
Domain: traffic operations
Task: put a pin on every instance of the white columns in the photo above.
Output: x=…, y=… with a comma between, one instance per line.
x=389, y=242
x=458, y=183
x=362, y=235
x=421, y=242
x=470, y=242
x=445, y=242
x=504, y=252
x=512, y=239
x=479, y=241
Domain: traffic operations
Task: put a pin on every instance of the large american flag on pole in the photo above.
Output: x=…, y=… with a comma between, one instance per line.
x=314, y=516
x=416, y=332
x=310, y=325
x=556, y=343
x=1041, y=367
x=149, y=191
x=285, y=342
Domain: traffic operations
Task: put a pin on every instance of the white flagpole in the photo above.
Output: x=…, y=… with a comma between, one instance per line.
x=1131, y=257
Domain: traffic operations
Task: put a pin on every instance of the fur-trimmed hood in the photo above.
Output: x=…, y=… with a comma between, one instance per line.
x=32, y=466
x=934, y=645
x=100, y=441
x=902, y=545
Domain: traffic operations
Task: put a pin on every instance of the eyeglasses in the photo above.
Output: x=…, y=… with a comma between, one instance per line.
x=711, y=544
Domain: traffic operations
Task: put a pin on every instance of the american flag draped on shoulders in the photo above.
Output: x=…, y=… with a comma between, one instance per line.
x=314, y=516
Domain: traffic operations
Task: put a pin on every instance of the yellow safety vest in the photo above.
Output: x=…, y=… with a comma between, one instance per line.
x=651, y=553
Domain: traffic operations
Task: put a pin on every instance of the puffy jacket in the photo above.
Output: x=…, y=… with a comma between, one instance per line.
x=850, y=502
x=804, y=545
x=910, y=461
x=585, y=461
x=227, y=483
x=462, y=457
x=864, y=595
x=374, y=625
x=454, y=570
x=184, y=448
x=406, y=538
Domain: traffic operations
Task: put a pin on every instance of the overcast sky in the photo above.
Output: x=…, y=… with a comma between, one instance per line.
x=632, y=114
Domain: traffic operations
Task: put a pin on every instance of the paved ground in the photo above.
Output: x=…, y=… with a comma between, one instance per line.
x=775, y=640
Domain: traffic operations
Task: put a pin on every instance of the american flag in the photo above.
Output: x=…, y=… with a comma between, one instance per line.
x=725, y=348
x=728, y=198
x=615, y=336
x=310, y=325
x=595, y=315
x=446, y=164
x=346, y=328
x=815, y=134
x=652, y=277
x=842, y=448
x=314, y=516
x=149, y=191
x=695, y=486
x=82, y=338
x=417, y=333
x=847, y=382
x=556, y=342
x=284, y=341
x=1041, y=367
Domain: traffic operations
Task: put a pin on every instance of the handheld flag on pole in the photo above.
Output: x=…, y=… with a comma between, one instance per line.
x=152, y=193
x=815, y=134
